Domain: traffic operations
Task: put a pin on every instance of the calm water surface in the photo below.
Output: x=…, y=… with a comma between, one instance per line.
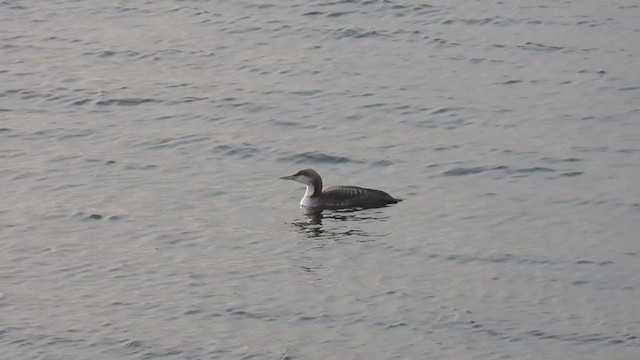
x=141, y=215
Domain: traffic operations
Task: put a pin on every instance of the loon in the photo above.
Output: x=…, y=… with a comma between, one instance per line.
x=337, y=197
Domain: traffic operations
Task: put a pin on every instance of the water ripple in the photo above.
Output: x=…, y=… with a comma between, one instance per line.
x=317, y=158
x=507, y=170
x=242, y=151
x=126, y=101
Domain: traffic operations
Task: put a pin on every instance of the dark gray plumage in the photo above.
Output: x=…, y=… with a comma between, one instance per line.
x=337, y=197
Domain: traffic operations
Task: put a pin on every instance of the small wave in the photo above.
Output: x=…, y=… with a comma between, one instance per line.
x=444, y=148
x=445, y=110
x=382, y=163
x=484, y=21
x=317, y=158
x=314, y=13
x=589, y=149
x=306, y=92
x=356, y=33
x=370, y=6
x=499, y=258
x=374, y=105
x=554, y=160
x=126, y=101
x=505, y=169
x=539, y=47
x=107, y=54
x=242, y=151
x=627, y=151
x=582, y=338
x=571, y=173
x=576, y=338
x=292, y=124
x=188, y=99
x=59, y=134
x=339, y=13
x=77, y=134
x=150, y=351
x=533, y=169
x=246, y=314
x=96, y=216
x=468, y=171
x=169, y=143
x=81, y=102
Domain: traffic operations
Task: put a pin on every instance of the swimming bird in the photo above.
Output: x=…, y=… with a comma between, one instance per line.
x=337, y=197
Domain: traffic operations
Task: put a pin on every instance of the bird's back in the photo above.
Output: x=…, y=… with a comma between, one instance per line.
x=354, y=196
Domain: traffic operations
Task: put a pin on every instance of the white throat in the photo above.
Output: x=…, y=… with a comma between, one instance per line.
x=307, y=200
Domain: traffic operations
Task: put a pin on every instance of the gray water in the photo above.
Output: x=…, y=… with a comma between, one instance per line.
x=141, y=215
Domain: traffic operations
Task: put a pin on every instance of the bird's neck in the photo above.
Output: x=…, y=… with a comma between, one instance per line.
x=314, y=189
x=310, y=191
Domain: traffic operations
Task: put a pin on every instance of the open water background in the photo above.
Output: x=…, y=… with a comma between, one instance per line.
x=141, y=216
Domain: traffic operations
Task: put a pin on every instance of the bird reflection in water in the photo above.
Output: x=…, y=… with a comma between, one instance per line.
x=338, y=223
